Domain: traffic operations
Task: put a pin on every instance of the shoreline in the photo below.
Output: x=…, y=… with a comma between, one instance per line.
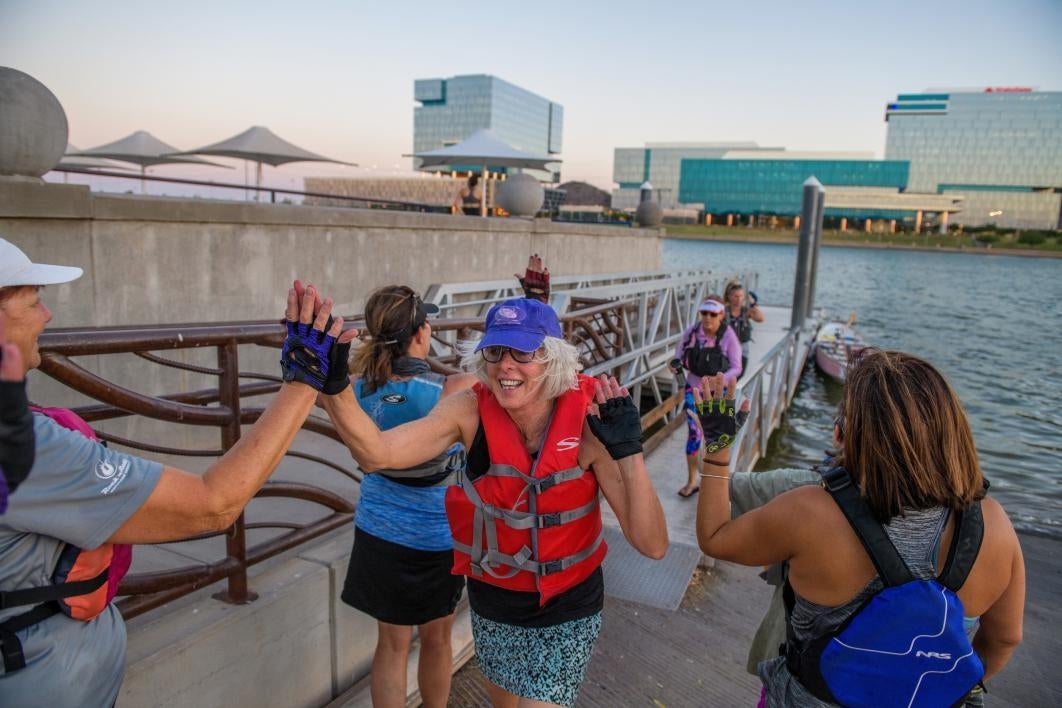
x=774, y=240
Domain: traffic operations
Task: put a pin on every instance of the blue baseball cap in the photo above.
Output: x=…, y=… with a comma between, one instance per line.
x=521, y=324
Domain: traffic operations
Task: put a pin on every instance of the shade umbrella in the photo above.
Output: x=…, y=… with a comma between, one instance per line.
x=144, y=149
x=260, y=145
x=484, y=148
x=70, y=160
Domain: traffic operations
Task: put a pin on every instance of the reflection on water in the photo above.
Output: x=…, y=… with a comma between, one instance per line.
x=991, y=324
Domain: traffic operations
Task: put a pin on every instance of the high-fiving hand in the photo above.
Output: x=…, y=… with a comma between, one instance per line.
x=535, y=281
x=315, y=352
x=614, y=419
x=717, y=412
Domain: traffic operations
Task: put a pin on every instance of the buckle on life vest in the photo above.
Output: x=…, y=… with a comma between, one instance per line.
x=546, y=521
x=551, y=567
x=545, y=483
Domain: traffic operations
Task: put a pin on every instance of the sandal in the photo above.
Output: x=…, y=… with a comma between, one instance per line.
x=687, y=491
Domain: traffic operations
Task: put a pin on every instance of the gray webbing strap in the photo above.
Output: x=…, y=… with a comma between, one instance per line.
x=539, y=484
x=523, y=520
x=522, y=560
x=484, y=557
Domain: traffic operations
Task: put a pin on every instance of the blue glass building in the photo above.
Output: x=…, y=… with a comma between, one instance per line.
x=1000, y=148
x=774, y=187
x=746, y=180
x=452, y=109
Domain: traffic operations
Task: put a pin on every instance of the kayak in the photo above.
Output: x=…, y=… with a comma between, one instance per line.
x=835, y=345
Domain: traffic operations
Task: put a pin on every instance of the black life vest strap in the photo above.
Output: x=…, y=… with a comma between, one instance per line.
x=48, y=596
x=51, y=593
x=965, y=545
x=890, y=566
x=10, y=646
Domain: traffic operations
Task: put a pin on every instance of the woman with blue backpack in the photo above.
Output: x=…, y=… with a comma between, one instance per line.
x=906, y=584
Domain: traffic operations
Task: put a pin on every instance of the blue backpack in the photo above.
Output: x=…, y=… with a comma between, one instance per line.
x=905, y=645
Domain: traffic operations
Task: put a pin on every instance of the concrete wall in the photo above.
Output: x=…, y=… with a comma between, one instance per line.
x=153, y=260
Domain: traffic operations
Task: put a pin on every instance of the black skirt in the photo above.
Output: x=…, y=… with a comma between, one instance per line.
x=400, y=585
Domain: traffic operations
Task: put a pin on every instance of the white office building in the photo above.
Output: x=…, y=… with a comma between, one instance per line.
x=1000, y=148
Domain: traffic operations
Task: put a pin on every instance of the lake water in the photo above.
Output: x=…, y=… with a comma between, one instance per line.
x=991, y=324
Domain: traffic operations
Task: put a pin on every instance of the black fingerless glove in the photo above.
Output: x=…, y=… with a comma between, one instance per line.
x=535, y=285
x=720, y=423
x=16, y=433
x=338, y=370
x=619, y=427
x=675, y=365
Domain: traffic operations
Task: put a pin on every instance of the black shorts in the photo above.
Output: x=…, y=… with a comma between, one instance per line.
x=400, y=585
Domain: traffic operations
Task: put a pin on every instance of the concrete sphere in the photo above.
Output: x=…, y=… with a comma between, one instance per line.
x=520, y=195
x=33, y=127
x=649, y=214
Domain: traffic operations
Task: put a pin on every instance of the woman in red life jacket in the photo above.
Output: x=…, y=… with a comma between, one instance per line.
x=542, y=442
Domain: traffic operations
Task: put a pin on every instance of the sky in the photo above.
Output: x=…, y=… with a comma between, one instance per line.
x=336, y=77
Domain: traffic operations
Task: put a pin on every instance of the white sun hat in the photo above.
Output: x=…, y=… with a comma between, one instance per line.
x=17, y=269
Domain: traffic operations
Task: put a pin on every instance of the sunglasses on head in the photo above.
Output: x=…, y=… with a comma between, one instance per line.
x=495, y=354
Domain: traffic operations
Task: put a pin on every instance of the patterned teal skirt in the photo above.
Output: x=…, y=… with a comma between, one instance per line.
x=541, y=663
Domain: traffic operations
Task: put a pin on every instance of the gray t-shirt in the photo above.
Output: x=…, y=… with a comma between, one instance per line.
x=80, y=493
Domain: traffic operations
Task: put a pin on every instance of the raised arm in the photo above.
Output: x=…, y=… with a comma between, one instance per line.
x=611, y=446
x=185, y=504
x=405, y=445
x=759, y=537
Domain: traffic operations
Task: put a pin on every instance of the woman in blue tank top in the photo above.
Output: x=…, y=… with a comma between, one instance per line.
x=399, y=571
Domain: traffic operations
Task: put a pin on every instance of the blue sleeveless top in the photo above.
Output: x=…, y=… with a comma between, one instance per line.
x=411, y=516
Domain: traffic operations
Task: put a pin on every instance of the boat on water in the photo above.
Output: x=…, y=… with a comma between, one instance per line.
x=836, y=343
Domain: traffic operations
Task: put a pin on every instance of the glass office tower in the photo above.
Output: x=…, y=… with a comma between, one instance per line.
x=998, y=147
x=452, y=109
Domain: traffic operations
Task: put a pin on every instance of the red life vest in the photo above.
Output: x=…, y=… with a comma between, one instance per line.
x=83, y=582
x=529, y=526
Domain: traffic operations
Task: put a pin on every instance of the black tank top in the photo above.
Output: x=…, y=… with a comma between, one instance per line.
x=470, y=203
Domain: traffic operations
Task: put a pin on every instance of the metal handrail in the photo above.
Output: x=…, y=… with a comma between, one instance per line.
x=595, y=328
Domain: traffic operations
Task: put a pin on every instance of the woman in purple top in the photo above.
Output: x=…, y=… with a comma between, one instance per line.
x=706, y=348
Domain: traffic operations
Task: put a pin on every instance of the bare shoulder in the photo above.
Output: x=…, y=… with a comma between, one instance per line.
x=998, y=527
x=458, y=382
x=809, y=497
x=808, y=508
x=462, y=403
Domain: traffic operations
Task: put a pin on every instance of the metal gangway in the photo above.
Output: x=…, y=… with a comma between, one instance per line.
x=654, y=308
